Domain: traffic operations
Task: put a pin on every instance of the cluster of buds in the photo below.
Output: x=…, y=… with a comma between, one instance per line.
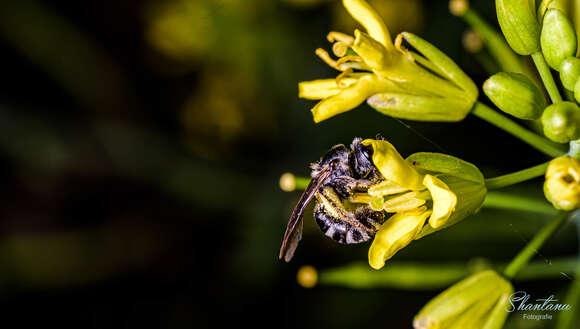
x=550, y=33
x=547, y=31
x=422, y=85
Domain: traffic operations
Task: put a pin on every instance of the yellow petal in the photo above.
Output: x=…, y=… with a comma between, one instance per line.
x=562, y=185
x=444, y=200
x=396, y=233
x=373, y=53
x=362, y=12
x=320, y=89
x=350, y=97
x=392, y=165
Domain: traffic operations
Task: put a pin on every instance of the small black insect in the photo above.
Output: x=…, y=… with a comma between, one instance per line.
x=338, y=175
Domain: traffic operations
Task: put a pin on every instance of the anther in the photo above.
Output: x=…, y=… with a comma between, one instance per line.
x=323, y=54
x=338, y=36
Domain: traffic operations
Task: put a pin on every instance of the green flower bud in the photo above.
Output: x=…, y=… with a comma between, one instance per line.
x=478, y=301
x=570, y=72
x=558, y=38
x=561, y=122
x=517, y=19
x=577, y=91
x=546, y=5
x=515, y=94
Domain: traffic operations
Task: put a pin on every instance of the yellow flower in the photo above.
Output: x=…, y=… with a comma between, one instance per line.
x=476, y=302
x=426, y=192
x=395, y=81
x=562, y=185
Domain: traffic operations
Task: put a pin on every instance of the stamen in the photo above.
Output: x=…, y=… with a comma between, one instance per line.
x=385, y=187
x=360, y=198
x=398, y=41
x=355, y=66
x=408, y=202
x=339, y=49
x=349, y=58
x=343, y=75
x=399, y=46
x=403, y=205
x=323, y=54
x=339, y=36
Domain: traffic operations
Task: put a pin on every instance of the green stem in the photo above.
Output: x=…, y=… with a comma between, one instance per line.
x=516, y=177
x=301, y=182
x=510, y=201
x=487, y=62
x=424, y=276
x=566, y=319
x=540, y=143
x=495, y=43
x=532, y=247
x=547, y=77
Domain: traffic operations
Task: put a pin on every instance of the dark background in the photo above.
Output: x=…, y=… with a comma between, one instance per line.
x=141, y=145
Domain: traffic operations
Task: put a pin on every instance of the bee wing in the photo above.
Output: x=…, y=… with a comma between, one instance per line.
x=293, y=232
x=293, y=242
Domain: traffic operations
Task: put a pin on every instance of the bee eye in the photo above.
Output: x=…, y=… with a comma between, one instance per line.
x=365, y=154
x=363, y=163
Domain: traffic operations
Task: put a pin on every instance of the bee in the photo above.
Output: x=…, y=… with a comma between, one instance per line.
x=337, y=179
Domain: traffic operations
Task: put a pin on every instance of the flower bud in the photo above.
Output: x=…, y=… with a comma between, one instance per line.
x=577, y=91
x=517, y=19
x=570, y=72
x=561, y=122
x=558, y=38
x=475, y=302
x=562, y=184
x=545, y=5
x=515, y=94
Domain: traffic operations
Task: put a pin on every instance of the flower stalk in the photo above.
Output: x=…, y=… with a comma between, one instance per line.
x=413, y=276
x=512, y=201
x=495, y=43
x=546, y=76
x=524, y=256
x=540, y=143
x=516, y=177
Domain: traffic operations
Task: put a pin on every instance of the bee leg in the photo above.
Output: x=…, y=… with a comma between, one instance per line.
x=364, y=183
x=344, y=186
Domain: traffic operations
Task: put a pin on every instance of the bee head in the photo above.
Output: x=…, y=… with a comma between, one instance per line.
x=360, y=158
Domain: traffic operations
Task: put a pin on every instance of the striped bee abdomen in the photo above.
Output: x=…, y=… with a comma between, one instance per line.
x=348, y=229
